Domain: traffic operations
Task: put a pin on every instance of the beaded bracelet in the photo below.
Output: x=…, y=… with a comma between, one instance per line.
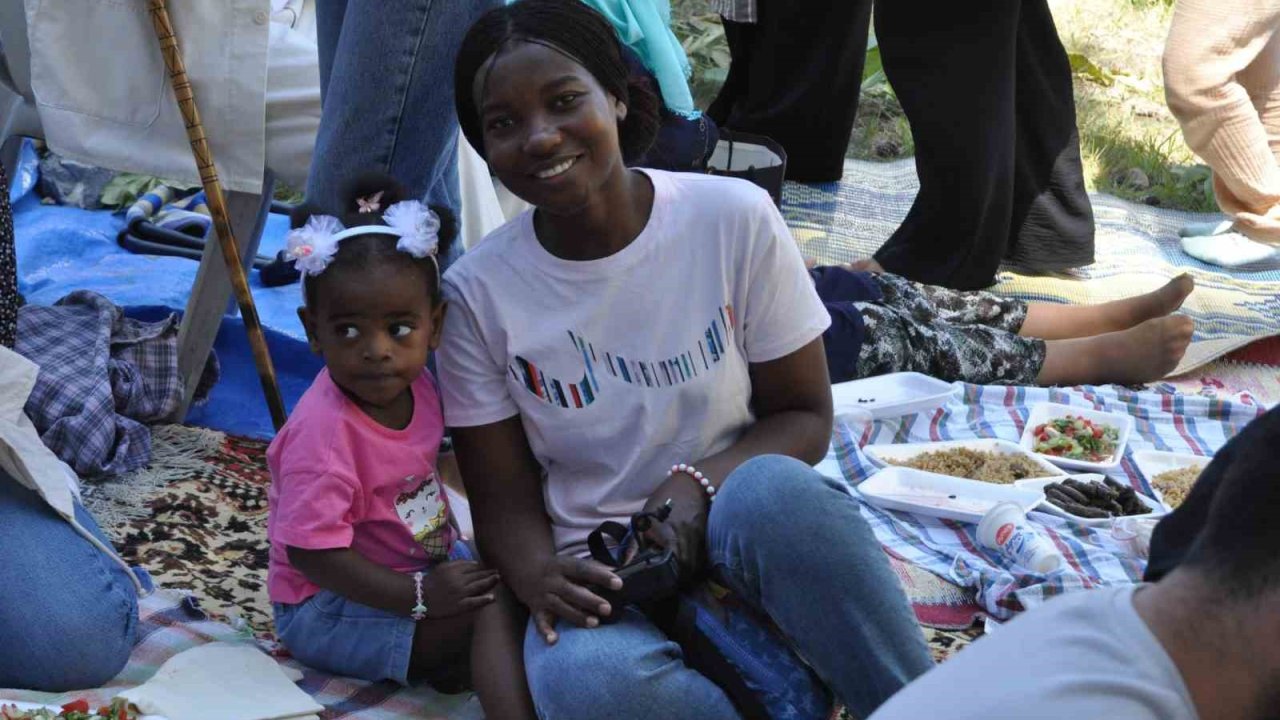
x=694, y=473
x=419, y=610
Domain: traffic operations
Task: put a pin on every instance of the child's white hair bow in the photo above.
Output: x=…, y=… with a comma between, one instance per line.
x=313, y=245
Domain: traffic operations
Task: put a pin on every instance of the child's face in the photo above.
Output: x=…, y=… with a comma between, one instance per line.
x=374, y=326
x=550, y=129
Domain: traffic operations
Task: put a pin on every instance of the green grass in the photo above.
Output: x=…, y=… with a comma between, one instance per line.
x=1131, y=145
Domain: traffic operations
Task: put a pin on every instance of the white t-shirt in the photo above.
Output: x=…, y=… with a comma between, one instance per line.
x=623, y=366
x=1083, y=656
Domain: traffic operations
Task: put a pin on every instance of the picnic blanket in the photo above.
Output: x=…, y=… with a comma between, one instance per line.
x=171, y=622
x=1137, y=251
x=1162, y=421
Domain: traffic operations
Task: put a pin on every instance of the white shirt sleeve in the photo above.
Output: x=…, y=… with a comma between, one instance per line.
x=782, y=312
x=473, y=387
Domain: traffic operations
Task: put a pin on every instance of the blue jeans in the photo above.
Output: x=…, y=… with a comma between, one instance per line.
x=68, y=612
x=386, y=89
x=837, y=601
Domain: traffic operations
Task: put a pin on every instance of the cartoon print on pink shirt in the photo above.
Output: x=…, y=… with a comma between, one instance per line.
x=426, y=512
x=669, y=372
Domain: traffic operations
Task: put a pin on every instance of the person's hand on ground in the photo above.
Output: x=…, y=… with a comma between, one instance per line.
x=458, y=586
x=563, y=591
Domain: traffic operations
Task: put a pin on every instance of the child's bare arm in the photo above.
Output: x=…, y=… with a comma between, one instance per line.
x=448, y=588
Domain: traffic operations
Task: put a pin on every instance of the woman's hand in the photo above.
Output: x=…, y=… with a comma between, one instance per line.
x=685, y=530
x=563, y=590
x=458, y=586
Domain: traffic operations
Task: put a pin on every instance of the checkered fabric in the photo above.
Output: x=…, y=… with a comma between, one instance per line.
x=1162, y=421
x=170, y=622
x=102, y=377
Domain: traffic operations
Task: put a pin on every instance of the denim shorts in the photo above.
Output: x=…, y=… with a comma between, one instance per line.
x=331, y=633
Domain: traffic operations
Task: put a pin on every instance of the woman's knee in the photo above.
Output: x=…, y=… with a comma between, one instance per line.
x=66, y=647
x=768, y=487
x=621, y=665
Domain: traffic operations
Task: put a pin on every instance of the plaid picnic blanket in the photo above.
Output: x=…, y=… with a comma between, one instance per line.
x=949, y=549
x=171, y=622
x=102, y=377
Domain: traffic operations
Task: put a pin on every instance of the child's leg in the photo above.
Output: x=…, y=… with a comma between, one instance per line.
x=930, y=303
x=497, y=658
x=1052, y=321
x=1047, y=321
x=1140, y=354
x=895, y=341
x=440, y=647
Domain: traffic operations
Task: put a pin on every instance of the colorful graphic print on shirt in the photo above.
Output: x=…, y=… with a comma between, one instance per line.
x=672, y=371
x=426, y=513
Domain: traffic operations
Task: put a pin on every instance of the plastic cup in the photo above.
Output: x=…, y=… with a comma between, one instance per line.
x=1005, y=529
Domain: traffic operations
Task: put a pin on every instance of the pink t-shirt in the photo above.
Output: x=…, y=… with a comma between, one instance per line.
x=339, y=479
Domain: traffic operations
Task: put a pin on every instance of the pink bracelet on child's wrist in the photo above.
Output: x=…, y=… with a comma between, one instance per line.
x=693, y=472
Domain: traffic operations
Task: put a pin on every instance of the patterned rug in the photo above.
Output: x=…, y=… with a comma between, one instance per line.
x=1137, y=251
x=196, y=519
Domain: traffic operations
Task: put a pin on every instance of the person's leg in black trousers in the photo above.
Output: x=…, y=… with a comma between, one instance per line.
x=993, y=121
x=795, y=77
x=1052, y=224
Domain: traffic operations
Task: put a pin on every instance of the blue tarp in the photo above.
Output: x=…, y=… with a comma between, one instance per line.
x=61, y=249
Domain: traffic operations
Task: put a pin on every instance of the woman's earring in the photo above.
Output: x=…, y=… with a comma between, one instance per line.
x=620, y=109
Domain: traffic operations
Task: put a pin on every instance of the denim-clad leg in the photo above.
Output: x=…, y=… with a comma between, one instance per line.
x=68, y=612
x=386, y=75
x=624, y=671
x=794, y=543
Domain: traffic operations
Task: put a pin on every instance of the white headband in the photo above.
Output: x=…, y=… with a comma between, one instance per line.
x=313, y=245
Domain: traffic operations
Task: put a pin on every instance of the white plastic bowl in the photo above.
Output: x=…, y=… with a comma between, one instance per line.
x=1153, y=462
x=886, y=455
x=1044, y=412
x=924, y=493
x=1156, y=507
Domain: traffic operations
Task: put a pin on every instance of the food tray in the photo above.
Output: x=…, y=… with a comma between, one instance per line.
x=1157, y=508
x=882, y=455
x=1044, y=412
x=891, y=395
x=1153, y=462
x=942, y=496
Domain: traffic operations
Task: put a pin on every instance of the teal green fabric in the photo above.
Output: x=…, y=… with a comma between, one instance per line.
x=645, y=27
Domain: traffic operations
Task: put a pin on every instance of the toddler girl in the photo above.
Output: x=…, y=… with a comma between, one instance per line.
x=368, y=577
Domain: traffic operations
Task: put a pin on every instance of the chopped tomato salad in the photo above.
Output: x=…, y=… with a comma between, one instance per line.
x=1076, y=438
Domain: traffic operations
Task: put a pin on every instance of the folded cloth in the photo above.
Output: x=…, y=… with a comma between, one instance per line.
x=102, y=376
x=223, y=681
x=172, y=209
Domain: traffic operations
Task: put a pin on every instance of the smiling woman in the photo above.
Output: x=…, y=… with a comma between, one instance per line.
x=644, y=339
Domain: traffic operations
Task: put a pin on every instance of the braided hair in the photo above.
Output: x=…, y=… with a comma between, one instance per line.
x=574, y=30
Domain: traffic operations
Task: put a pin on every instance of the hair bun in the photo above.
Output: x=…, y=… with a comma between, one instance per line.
x=366, y=186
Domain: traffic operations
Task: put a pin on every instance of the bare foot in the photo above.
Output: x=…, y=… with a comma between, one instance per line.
x=1140, y=354
x=1130, y=312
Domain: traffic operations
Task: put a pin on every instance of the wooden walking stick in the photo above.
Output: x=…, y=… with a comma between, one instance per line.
x=217, y=205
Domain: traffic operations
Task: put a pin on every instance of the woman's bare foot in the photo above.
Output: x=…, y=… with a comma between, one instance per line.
x=1052, y=321
x=1130, y=312
x=1140, y=354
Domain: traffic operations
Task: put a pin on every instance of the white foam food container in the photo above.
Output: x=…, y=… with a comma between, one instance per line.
x=891, y=395
x=887, y=455
x=1157, y=508
x=1044, y=412
x=942, y=496
x=1153, y=462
